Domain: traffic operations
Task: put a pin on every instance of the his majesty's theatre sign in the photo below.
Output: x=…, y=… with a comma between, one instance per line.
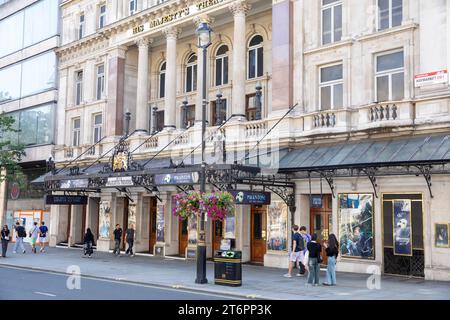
x=177, y=15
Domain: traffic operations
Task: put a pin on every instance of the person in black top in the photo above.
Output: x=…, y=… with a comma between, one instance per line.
x=5, y=239
x=129, y=234
x=117, y=239
x=314, y=250
x=88, y=242
x=332, y=250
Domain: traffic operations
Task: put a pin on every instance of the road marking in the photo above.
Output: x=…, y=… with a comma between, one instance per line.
x=253, y=296
x=45, y=294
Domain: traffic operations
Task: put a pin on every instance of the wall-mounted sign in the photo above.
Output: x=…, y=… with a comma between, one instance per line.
x=431, y=78
x=65, y=200
x=173, y=16
x=177, y=178
x=160, y=223
x=119, y=182
x=74, y=184
x=251, y=197
x=15, y=191
x=121, y=158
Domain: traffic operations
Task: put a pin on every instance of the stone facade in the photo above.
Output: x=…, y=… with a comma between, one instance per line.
x=132, y=49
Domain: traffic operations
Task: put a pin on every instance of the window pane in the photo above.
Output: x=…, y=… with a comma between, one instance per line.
x=218, y=72
x=11, y=33
x=28, y=127
x=397, y=12
x=189, y=79
x=98, y=119
x=383, y=13
x=260, y=61
x=38, y=74
x=162, y=85
x=256, y=40
x=251, y=64
x=390, y=61
x=326, y=26
x=325, y=2
x=99, y=87
x=338, y=96
x=398, y=87
x=41, y=21
x=45, y=124
x=225, y=70
x=331, y=73
x=337, y=23
x=194, y=81
x=383, y=88
x=10, y=82
x=325, y=98
x=222, y=50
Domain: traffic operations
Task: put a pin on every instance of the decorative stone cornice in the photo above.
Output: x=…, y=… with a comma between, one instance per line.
x=203, y=18
x=171, y=32
x=240, y=7
x=143, y=42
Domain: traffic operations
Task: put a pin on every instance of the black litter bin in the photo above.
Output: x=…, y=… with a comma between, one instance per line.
x=228, y=268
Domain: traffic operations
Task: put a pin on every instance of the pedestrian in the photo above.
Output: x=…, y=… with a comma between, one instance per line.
x=117, y=238
x=5, y=240
x=88, y=243
x=314, y=259
x=34, y=234
x=296, y=249
x=43, y=236
x=20, y=234
x=306, y=239
x=129, y=237
x=332, y=251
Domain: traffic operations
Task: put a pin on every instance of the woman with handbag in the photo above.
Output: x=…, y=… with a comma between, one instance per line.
x=314, y=260
x=5, y=240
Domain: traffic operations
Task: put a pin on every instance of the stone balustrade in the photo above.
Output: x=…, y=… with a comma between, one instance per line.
x=324, y=119
x=255, y=129
x=383, y=112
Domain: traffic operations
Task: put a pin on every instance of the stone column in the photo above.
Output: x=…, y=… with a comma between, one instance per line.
x=115, y=78
x=111, y=11
x=171, y=77
x=119, y=9
x=239, y=10
x=142, y=85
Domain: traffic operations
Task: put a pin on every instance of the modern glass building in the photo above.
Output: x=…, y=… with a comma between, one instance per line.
x=29, y=35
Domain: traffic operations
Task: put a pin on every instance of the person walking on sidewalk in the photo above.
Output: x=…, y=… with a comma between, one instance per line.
x=332, y=251
x=129, y=238
x=20, y=234
x=297, y=247
x=43, y=236
x=314, y=260
x=5, y=240
x=88, y=242
x=117, y=239
x=306, y=239
x=34, y=234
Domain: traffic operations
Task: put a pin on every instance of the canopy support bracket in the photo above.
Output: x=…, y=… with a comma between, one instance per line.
x=425, y=170
x=370, y=173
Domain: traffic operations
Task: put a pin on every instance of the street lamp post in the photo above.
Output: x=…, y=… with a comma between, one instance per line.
x=204, y=41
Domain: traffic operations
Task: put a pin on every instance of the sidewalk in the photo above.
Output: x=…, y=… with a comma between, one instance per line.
x=258, y=282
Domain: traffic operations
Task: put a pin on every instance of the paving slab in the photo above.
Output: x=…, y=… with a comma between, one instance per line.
x=258, y=282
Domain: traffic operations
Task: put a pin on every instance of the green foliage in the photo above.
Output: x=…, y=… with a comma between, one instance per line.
x=11, y=153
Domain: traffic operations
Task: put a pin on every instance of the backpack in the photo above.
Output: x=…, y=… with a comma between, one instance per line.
x=21, y=232
x=302, y=244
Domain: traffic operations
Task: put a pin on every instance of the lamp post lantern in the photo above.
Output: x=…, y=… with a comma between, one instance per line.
x=204, y=41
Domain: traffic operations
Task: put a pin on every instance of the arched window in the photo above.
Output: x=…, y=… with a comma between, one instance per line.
x=191, y=73
x=162, y=80
x=222, y=65
x=255, y=57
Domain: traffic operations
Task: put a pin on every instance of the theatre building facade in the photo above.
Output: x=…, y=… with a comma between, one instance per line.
x=332, y=114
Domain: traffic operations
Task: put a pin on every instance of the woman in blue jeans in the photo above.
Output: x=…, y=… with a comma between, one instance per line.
x=314, y=250
x=332, y=251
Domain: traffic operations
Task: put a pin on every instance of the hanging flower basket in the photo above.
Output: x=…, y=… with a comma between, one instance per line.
x=187, y=205
x=217, y=205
